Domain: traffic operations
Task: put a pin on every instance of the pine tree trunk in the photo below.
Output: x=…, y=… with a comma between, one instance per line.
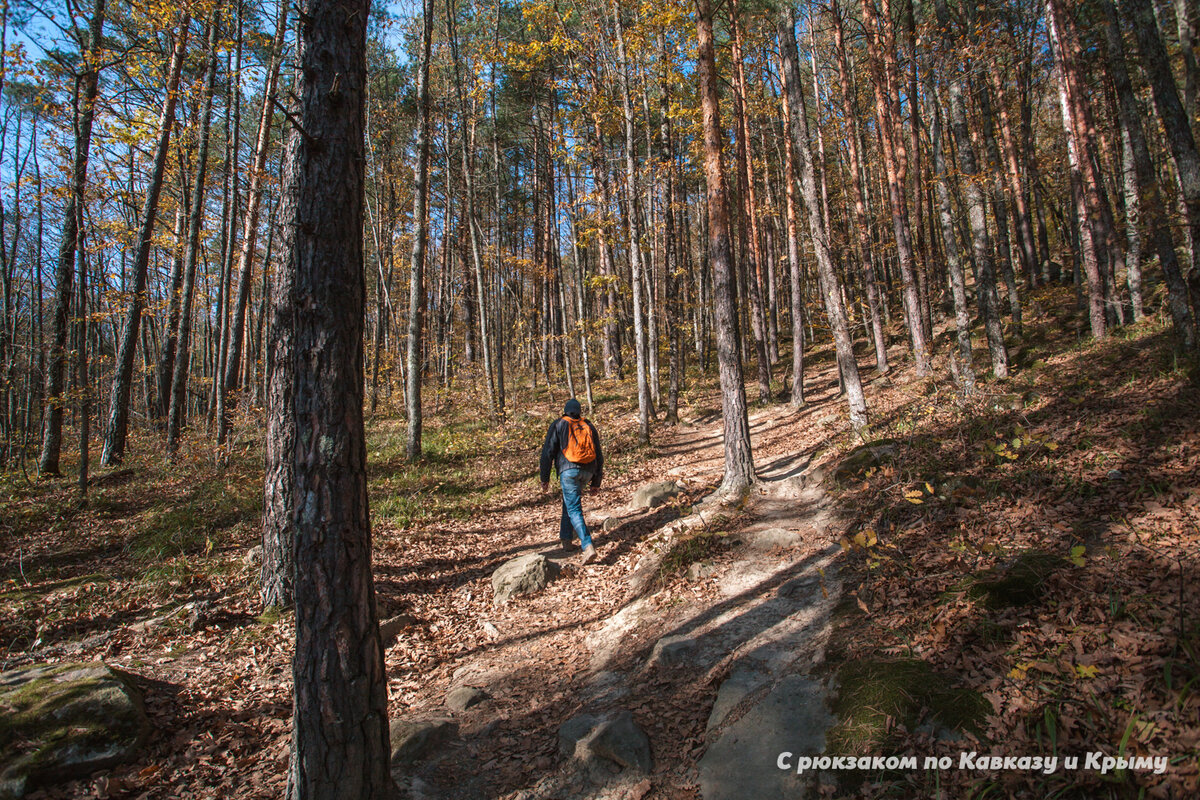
x=739, y=460
x=339, y=744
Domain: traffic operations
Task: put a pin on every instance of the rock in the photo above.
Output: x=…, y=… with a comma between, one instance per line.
x=700, y=570
x=573, y=730
x=733, y=690
x=610, y=524
x=653, y=495
x=254, y=556
x=69, y=720
x=742, y=761
x=773, y=538
x=390, y=628
x=523, y=575
x=490, y=629
x=460, y=698
x=620, y=740
x=413, y=739
x=673, y=650
x=1115, y=475
x=872, y=454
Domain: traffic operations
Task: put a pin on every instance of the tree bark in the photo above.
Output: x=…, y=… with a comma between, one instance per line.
x=339, y=745
x=739, y=459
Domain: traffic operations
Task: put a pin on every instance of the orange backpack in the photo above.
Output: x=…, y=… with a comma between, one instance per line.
x=580, y=448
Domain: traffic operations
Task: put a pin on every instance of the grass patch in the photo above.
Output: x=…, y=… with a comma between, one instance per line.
x=189, y=526
x=874, y=695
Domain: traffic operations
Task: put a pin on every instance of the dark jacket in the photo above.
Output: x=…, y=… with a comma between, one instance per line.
x=556, y=442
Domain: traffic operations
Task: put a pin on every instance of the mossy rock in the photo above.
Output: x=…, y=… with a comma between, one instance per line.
x=871, y=693
x=1020, y=583
x=854, y=465
x=63, y=721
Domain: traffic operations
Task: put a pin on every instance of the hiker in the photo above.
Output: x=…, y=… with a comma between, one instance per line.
x=573, y=446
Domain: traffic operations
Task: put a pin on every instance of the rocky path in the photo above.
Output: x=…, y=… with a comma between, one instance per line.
x=671, y=688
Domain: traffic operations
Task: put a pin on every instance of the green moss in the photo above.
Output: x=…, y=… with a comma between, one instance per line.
x=871, y=695
x=50, y=714
x=686, y=551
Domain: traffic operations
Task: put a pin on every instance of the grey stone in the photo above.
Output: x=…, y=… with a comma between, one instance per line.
x=772, y=538
x=71, y=720
x=412, y=740
x=460, y=698
x=620, y=740
x=653, y=495
x=743, y=761
x=1115, y=475
x=733, y=690
x=611, y=524
x=253, y=556
x=574, y=729
x=700, y=570
x=523, y=575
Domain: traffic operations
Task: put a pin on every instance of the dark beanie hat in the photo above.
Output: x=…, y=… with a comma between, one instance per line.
x=572, y=408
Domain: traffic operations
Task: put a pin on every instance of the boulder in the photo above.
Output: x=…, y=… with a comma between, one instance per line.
x=64, y=721
x=653, y=495
x=621, y=741
x=460, y=698
x=413, y=739
x=523, y=575
x=773, y=538
x=615, y=738
x=671, y=651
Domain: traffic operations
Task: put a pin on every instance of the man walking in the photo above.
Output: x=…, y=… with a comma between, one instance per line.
x=573, y=446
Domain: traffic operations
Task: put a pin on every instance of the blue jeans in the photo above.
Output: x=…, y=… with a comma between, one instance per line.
x=573, y=481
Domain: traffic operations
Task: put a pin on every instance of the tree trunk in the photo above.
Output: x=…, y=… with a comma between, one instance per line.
x=1175, y=121
x=182, y=334
x=830, y=286
x=416, y=291
x=245, y=269
x=1145, y=203
x=118, y=412
x=739, y=459
x=339, y=745
x=634, y=230
x=85, y=114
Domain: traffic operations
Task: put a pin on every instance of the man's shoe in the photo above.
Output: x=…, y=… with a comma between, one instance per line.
x=588, y=554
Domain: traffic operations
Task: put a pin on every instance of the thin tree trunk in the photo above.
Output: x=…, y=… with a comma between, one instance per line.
x=245, y=269
x=416, y=291
x=86, y=92
x=634, y=230
x=118, y=413
x=1144, y=201
x=830, y=286
x=182, y=334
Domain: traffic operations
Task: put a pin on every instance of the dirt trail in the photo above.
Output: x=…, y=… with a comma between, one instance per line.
x=697, y=660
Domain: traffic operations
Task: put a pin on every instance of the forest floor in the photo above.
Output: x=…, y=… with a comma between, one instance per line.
x=1036, y=546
